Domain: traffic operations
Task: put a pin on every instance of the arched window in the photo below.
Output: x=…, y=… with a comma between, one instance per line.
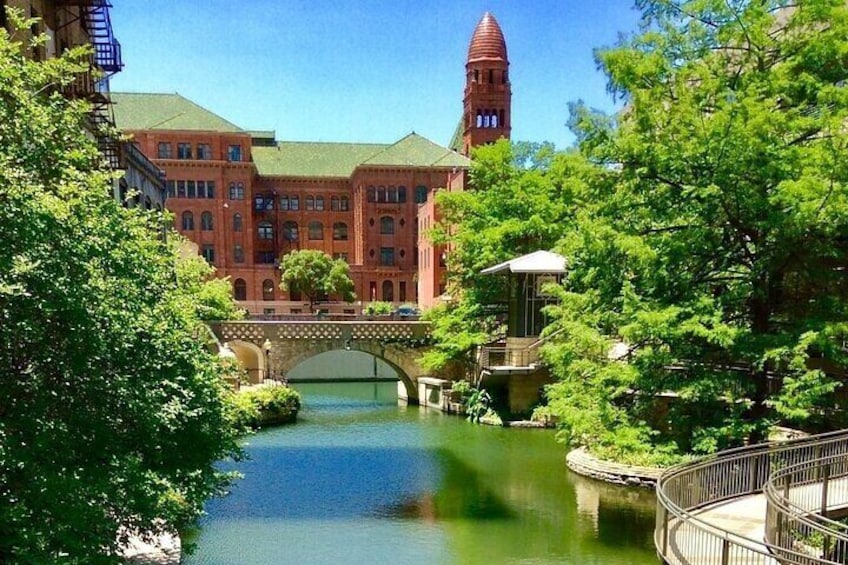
x=267, y=289
x=494, y=119
x=316, y=230
x=188, y=221
x=310, y=203
x=206, y=221
x=479, y=119
x=237, y=223
x=319, y=203
x=290, y=231
x=401, y=194
x=238, y=254
x=294, y=203
x=334, y=204
x=388, y=291
x=387, y=225
x=391, y=194
x=381, y=194
x=265, y=230
x=344, y=204
x=240, y=289
x=340, y=231
x=501, y=119
x=420, y=194
x=372, y=194
x=486, y=122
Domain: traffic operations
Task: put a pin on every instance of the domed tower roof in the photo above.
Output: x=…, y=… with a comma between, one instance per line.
x=488, y=40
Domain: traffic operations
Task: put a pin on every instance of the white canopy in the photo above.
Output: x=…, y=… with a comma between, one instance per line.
x=542, y=262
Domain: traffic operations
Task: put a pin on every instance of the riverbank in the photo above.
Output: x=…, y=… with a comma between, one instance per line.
x=165, y=549
x=584, y=463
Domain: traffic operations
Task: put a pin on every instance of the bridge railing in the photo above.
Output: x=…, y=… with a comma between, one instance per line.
x=684, y=490
x=800, y=500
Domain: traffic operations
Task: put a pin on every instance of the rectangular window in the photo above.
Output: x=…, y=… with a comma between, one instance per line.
x=163, y=150
x=184, y=151
x=387, y=256
x=210, y=189
x=284, y=202
x=204, y=151
x=294, y=203
x=342, y=256
x=234, y=153
x=310, y=203
x=209, y=253
x=172, y=189
x=181, y=187
x=344, y=204
x=402, y=291
x=319, y=203
x=265, y=258
x=191, y=191
x=236, y=191
x=269, y=311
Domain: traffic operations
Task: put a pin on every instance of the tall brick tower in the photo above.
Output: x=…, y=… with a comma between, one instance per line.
x=486, y=114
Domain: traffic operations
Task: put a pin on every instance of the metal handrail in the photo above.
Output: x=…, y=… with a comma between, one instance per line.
x=692, y=486
x=799, y=499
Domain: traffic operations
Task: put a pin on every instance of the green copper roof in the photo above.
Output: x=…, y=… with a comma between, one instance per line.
x=137, y=111
x=456, y=140
x=312, y=159
x=340, y=160
x=416, y=151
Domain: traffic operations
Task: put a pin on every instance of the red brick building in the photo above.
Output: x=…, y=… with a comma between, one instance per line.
x=244, y=198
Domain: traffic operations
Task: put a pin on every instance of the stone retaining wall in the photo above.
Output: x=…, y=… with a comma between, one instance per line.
x=583, y=463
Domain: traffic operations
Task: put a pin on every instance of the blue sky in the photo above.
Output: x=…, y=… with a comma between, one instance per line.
x=368, y=70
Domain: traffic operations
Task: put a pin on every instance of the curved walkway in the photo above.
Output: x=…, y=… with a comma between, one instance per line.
x=752, y=504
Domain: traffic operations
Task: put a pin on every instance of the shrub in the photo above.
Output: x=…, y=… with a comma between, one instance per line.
x=378, y=308
x=255, y=407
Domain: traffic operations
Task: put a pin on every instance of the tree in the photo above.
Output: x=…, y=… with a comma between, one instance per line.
x=212, y=296
x=520, y=200
x=112, y=411
x=313, y=273
x=718, y=252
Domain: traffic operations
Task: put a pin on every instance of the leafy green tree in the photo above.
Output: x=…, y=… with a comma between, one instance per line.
x=313, y=273
x=521, y=199
x=112, y=411
x=718, y=252
x=212, y=296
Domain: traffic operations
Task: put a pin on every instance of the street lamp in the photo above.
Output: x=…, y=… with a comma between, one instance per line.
x=266, y=347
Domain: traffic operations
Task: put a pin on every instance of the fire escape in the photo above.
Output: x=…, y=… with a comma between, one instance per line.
x=93, y=17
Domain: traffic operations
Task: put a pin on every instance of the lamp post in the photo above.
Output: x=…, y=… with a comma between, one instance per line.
x=266, y=347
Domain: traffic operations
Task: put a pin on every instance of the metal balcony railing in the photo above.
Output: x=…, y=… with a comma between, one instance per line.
x=683, y=537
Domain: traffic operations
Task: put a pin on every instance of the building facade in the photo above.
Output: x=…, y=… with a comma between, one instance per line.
x=71, y=23
x=245, y=199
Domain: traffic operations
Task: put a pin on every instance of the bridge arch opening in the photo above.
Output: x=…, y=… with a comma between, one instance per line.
x=250, y=358
x=347, y=365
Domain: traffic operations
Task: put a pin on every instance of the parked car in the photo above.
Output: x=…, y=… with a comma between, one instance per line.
x=407, y=311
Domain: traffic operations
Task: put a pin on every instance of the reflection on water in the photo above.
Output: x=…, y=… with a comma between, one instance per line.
x=361, y=480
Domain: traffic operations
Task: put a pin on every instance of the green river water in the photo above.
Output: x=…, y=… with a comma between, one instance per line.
x=361, y=480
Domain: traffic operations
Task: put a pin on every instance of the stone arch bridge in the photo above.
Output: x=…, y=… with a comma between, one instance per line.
x=266, y=348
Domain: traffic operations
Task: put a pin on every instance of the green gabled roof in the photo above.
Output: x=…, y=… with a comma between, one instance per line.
x=416, y=151
x=312, y=159
x=456, y=140
x=340, y=160
x=138, y=111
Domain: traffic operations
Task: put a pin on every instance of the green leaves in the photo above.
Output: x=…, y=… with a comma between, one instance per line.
x=718, y=254
x=313, y=273
x=112, y=410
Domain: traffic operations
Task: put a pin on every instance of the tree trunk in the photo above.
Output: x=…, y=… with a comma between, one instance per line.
x=761, y=310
